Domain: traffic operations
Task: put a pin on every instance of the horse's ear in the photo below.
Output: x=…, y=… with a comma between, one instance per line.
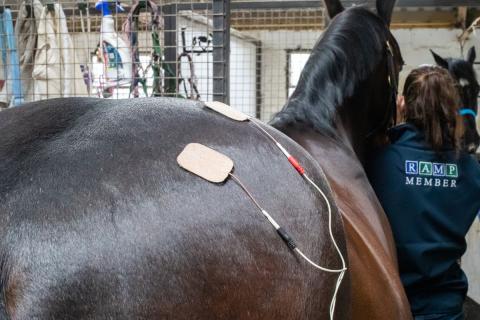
x=439, y=60
x=385, y=10
x=472, y=55
x=334, y=7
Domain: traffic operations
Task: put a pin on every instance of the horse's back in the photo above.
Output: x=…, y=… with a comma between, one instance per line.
x=99, y=221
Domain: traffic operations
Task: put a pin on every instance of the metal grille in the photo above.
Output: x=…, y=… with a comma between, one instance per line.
x=283, y=34
x=189, y=49
x=246, y=53
x=67, y=48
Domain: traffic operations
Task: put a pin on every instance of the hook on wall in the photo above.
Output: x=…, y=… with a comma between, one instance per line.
x=82, y=6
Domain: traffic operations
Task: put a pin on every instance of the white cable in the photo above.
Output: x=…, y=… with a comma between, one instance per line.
x=271, y=220
x=344, y=267
x=316, y=265
x=334, y=298
x=329, y=208
x=329, y=219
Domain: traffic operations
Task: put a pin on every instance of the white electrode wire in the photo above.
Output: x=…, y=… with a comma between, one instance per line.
x=264, y=212
x=316, y=265
x=277, y=226
x=244, y=188
x=254, y=121
x=333, y=303
x=329, y=208
x=344, y=265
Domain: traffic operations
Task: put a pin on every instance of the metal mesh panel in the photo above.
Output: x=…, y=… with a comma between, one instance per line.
x=247, y=53
x=70, y=48
x=66, y=48
x=283, y=34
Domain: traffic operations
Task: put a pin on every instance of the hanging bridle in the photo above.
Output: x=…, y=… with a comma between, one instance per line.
x=392, y=81
x=393, y=84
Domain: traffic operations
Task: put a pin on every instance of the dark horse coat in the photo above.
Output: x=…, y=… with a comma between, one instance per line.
x=463, y=71
x=98, y=221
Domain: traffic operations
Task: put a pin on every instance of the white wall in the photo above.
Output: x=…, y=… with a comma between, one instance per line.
x=243, y=75
x=242, y=67
x=274, y=64
x=415, y=45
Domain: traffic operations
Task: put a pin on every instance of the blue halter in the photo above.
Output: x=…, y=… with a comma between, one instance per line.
x=466, y=112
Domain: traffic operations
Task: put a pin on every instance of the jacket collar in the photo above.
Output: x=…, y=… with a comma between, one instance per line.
x=407, y=134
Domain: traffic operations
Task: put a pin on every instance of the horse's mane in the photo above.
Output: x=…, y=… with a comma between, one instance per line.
x=347, y=54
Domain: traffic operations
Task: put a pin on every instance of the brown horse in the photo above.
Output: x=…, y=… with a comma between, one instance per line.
x=340, y=97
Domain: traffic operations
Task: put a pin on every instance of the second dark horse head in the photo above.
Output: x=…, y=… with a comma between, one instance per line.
x=464, y=73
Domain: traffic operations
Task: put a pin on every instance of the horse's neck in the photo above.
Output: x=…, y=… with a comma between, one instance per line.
x=346, y=175
x=371, y=248
x=349, y=137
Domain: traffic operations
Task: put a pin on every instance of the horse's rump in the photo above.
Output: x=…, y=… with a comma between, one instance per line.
x=99, y=221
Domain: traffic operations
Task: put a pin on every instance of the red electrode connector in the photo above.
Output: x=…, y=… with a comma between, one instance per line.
x=296, y=165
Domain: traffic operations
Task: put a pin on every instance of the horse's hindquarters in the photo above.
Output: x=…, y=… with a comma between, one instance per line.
x=102, y=223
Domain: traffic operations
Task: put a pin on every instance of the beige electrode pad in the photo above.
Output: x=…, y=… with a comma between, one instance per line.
x=205, y=162
x=226, y=110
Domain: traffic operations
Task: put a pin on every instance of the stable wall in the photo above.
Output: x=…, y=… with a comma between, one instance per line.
x=414, y=43
x=242, y=65
x=274, y=64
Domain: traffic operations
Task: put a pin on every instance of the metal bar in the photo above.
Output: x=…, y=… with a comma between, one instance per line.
x=221, y=50
x=258, y=79
x=170, y=40
x=288, y=72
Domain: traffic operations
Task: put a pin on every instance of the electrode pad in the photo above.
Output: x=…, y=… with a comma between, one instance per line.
x=226, y=110
x=205, y=162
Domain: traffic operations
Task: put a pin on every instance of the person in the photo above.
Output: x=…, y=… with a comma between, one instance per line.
x=430, y=191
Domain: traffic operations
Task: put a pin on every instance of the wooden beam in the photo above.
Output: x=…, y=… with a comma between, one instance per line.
x=462, y=17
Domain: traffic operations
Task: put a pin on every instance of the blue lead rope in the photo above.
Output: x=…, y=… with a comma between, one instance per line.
x=466, y=112
x=9, y=56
